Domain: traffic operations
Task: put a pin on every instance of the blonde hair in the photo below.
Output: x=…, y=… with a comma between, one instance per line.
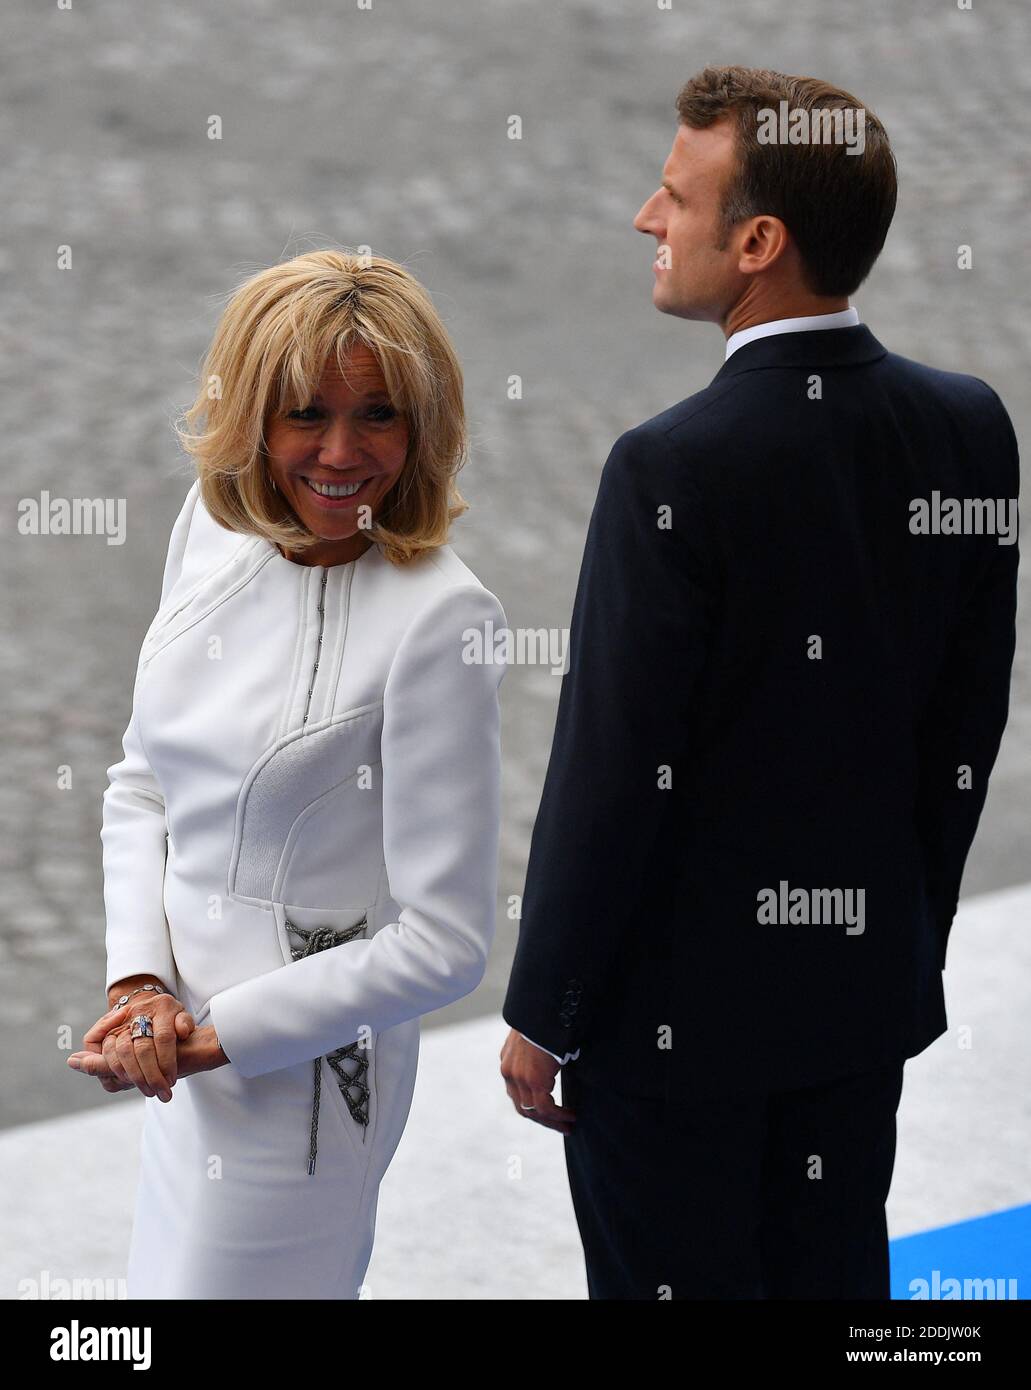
x=276, y=335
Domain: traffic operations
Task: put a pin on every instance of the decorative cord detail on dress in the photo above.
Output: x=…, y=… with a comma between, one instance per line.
x=321, y=939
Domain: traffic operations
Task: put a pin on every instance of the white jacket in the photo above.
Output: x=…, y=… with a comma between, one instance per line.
x=315, y=748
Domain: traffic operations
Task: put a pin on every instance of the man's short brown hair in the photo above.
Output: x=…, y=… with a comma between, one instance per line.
x=836, y=205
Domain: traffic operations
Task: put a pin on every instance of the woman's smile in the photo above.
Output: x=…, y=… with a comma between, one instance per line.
x=337, y=495
x=352, y=431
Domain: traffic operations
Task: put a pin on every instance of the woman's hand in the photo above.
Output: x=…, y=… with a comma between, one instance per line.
x=198, y=1051
x=149, y=1063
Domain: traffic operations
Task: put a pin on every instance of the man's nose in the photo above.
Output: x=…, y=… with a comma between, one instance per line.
x=645, y=221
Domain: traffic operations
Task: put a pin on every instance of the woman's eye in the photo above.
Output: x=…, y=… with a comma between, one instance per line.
x=380, y=413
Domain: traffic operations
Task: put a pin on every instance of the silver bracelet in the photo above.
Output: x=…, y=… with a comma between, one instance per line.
x=154, y=989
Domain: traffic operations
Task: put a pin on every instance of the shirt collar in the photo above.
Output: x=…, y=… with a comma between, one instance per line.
x=843, y=318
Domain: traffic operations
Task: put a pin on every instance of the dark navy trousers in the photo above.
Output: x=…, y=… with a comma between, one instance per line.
x=760, y=1196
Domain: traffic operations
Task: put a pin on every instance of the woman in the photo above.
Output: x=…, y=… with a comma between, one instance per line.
x=312, y=739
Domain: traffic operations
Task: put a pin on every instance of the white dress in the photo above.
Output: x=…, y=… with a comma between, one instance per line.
x=310, y=748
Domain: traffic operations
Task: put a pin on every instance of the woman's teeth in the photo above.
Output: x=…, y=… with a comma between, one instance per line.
x=335, y=490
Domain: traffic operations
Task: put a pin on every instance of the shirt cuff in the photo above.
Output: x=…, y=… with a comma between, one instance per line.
x=569, y=1057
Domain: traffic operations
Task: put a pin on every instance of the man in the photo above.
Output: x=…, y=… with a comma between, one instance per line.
x=788, y=682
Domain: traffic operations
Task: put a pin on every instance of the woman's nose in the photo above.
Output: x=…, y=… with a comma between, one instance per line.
x=338, y=443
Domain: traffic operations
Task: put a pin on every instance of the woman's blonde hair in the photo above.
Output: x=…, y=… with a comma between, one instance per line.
x=277, y=333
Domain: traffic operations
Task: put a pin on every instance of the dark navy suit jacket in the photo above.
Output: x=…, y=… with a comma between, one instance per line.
x=772, y=681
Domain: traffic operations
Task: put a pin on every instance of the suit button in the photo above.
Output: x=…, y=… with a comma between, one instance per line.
x=570, y=1002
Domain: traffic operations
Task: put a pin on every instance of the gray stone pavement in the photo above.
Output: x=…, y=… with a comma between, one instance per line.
x=387, y=127
x=476, y=1205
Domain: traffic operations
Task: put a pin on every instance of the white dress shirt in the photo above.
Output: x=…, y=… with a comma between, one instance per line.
x=842, y=318
x=569, y=1057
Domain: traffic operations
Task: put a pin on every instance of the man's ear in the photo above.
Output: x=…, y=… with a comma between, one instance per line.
x=766, y=241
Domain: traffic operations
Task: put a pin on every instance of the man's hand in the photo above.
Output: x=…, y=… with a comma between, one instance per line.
x=529, y=1074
